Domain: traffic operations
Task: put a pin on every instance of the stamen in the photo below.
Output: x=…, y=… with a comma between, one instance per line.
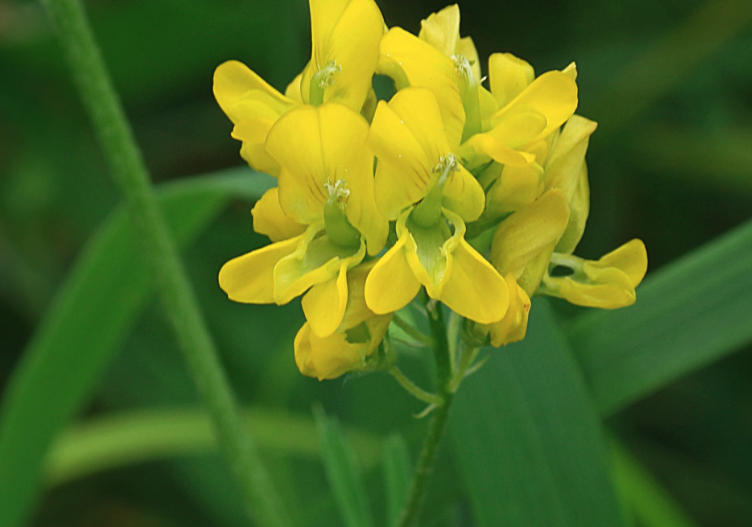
x=448, y=164
x=339, y=191
x=462, y=65
x=326, y=74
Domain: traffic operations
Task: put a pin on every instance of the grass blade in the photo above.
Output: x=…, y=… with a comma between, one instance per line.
x=343, y=473
x=687, y=315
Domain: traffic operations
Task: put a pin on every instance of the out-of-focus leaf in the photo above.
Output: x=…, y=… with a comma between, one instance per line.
x=707, y=159
x=85, y=325
x=343, y=473
x=397, y=474
x=145, y=435
x=687, y=315
x=648, y=503
x=666, y=64
x=527, y=438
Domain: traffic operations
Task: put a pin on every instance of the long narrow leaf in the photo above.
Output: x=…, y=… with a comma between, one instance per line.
x=145, y=435
x=87, y=322
x=343, y=473
x=687, y=315
x=527, y=438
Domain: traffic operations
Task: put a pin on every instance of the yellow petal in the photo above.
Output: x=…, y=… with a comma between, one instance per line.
x=529, y=232
x=314, y=261
x=442, y=30
x=481, y=148
x=324, y=304
x=233, y=80
x=513, y=327
x=508, y=76
x=253, y=135
x=515, y=188
x=631, y=258
x=292, y=91
x=579, y=208
x=316, y=147
x=325, y=358
x=391, y=285
x=611, y=289
x=427, y=67
x=250, y=278
x=474, y=289
x=564, y=163
x=403, y=171
x=464, y=195
x=357, y=310
x=552, y=95
x=347, y=32
x=269, y=219
x=428, y=250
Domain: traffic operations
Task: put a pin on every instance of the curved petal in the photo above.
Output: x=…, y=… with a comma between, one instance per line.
x=292, y=91
x=391, y=284
x=402, y=172
x=324, y=304
x=579, y=209
x=269, y=219
x=427, y=67
x=315, y=260
x=316, y=147
x=508, y=76
x=326, y=358
x=513, y=327
x=474, y=289
x=552, y=95
x=253, y=133
x=481, y=148
x=528, y=233
x=515, y=188
x=564, y=163
x=418, y=109
x=611, y=289
x=347, y=32
x=464, y=195
x=442, y=30
x=631, y=258
x=250, y=278
x=233, y=80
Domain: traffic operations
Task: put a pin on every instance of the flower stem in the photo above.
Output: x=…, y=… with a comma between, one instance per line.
x=176, y=294
x=437, y=427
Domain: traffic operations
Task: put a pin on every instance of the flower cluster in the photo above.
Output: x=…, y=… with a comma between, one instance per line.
x=472, y=194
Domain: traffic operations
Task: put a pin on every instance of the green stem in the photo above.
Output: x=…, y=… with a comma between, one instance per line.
x=413, y=389
x=412, y=331
x=129, y=171
x=437, y=427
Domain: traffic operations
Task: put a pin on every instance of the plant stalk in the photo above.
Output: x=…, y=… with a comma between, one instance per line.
x=438, y=424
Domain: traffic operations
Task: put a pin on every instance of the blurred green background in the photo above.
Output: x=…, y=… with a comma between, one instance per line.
x=669, y=82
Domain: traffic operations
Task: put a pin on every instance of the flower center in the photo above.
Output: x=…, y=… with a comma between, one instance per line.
x=428, y=211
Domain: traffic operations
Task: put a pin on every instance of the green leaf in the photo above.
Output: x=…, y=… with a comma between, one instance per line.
x=692, y=312
x=397, y=475
x=343, y=473
x=132, y=437
x=527, y=438
x=86, y=324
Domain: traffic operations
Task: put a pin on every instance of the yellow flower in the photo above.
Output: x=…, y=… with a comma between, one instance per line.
x=513, y=327
x=345, y=51
x=608, y=283
x=357, y=337
x=326, y=185
x=421, y=184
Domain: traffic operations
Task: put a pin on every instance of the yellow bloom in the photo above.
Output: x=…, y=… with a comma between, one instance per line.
x=608, y=283
x=345, y=51
x=325, y=184
x=357, y=337
x=421, y=184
